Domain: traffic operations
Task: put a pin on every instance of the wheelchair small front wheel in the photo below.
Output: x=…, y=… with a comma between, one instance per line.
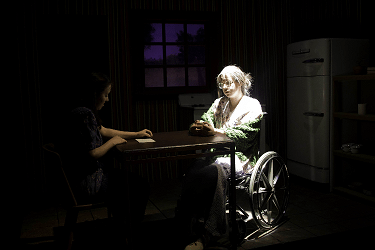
x=269, y=190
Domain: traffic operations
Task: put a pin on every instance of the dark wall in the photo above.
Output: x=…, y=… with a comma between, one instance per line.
x=334, y=19
x=67, y=46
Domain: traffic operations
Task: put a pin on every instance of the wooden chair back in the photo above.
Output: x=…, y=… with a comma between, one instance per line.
x=50, y=148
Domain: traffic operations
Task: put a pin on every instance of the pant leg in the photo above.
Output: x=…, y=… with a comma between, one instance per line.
x=198, y=189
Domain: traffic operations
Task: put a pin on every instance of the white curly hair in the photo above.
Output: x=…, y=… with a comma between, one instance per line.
x=236, y=74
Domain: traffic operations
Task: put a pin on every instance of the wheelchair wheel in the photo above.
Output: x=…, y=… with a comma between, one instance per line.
x=269, y=190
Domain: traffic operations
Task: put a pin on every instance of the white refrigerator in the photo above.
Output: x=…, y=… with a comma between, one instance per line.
x=310, y=67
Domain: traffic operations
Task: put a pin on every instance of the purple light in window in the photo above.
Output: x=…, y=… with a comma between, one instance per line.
x=175, y=54
x=158, y=33
x=174, y=32
x=153, y=55
x=195, y=32
x=196, y=54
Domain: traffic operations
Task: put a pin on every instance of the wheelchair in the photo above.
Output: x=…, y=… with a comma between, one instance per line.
x=267, y=188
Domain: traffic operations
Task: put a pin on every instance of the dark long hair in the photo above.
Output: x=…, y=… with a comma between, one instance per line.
x=91, y=86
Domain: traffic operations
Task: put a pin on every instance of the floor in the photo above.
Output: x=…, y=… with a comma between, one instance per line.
x=314, y=218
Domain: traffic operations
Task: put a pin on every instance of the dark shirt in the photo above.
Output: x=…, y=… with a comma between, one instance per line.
x=84, y=172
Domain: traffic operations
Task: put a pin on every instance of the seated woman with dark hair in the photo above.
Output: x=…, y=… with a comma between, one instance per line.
x=84, y=152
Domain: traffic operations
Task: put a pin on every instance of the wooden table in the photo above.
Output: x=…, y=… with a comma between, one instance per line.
x=180, y=145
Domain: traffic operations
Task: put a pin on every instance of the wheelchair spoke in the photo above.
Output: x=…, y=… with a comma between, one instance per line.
x=266, y=181
x=269, y=209
x=270, y=172
x=269, y=215
x=276, y=203
x=277, y=176
x=261, y=191
x=266, y=200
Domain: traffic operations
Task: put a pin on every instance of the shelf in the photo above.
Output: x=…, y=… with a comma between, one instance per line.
x=358, y=157
x=354, y=77
x=354, y=116
x=354, y=193
x=345, y=163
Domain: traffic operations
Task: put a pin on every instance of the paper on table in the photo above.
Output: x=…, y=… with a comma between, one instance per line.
x=145, y=140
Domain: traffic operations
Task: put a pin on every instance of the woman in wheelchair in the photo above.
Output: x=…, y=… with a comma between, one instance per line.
x=203, y=196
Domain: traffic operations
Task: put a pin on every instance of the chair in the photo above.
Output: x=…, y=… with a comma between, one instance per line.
x=73, y=207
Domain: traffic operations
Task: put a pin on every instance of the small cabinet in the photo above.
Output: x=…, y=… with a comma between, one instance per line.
x=353, y=172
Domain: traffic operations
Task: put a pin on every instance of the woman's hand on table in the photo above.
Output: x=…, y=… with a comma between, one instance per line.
x=202, y=129
x=144, y=133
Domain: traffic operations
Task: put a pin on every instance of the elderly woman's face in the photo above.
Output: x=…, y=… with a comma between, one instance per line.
x=103, y=97
x=230, y=87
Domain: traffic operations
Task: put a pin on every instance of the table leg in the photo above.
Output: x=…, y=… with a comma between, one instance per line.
x=232, y=199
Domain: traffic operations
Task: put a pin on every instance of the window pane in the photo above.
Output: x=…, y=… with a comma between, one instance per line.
x=196, y=55
x=174, y=32
x=195, y=33
x=153, y=33
x=197, y=76
x=175, y=54
x=154, y=77
x=153, y=55
x=175, y=77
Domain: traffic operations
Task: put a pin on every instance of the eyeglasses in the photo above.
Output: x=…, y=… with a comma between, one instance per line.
x=225, y=83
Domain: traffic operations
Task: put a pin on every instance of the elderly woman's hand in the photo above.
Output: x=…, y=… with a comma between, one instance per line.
x=200, y=128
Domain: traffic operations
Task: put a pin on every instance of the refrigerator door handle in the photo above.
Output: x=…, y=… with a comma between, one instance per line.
x=313, y=114
x=314, y=60
x=301, y=51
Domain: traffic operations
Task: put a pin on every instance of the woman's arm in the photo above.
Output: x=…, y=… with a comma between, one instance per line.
x=244, y=135
x=117, y=137
x=103, y=149
x=109, y=133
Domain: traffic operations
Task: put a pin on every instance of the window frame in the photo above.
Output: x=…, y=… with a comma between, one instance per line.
x=137, y=52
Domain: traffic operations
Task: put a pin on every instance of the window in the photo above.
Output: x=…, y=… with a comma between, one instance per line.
x=174, y=55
